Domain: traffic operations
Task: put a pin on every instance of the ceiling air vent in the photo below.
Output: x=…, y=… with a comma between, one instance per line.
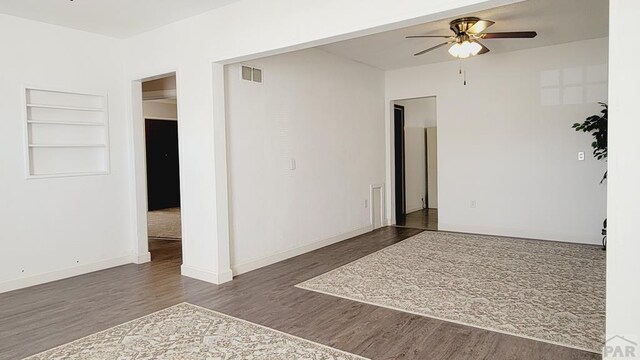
x=251, y=73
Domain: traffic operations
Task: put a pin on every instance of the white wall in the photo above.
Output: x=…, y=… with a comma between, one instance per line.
x=623, y=248
x=326, y=113
x=510, y=147
x=71, y=58
x=419, y=114
x=239, y=31
x=58, y=227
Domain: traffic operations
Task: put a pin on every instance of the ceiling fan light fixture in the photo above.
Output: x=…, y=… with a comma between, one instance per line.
x=474, y=48
x=465, y=49
x=454, y=50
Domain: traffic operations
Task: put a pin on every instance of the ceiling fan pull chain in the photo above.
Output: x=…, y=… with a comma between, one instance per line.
x=465, y=77
x=463, y=72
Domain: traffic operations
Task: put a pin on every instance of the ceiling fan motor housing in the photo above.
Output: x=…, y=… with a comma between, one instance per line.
x=460, y=26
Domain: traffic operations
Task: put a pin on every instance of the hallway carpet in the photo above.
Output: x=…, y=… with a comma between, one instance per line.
x=164, y=224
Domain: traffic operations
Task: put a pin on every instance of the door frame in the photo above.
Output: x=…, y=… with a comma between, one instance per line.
x=426, y=169
x=391, y=153
x=139, y=167
x=400, y=188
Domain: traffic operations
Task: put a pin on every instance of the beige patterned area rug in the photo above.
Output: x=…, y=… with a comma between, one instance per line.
x=188, y=332
x=548, y=291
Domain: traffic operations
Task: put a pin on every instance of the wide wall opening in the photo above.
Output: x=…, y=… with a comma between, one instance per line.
x=472, y=140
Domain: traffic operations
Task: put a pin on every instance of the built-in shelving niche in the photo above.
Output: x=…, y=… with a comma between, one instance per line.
x=67, y=133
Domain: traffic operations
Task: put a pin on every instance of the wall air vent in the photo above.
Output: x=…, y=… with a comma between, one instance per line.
x=249, y=73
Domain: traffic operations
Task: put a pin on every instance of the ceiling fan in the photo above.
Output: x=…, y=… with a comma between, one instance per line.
x=468, y=31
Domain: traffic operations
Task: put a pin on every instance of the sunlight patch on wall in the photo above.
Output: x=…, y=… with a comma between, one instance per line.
x=572, y=86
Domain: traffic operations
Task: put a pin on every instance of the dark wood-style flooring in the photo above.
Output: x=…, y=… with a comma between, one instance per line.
x=48, y=315
x=426, y=219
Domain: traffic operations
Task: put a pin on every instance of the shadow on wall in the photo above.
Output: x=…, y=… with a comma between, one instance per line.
x=571, y=86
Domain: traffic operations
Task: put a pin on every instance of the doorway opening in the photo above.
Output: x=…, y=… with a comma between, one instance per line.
x=159, y=103
x=416, y=163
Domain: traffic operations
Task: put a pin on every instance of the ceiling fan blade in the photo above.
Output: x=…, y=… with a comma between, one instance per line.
x=510, y=35
x=484, y=49
x=432, y=48
x=479, y=26
x=428, y=36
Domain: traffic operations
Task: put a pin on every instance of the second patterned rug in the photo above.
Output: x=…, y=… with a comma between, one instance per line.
x=188, y=332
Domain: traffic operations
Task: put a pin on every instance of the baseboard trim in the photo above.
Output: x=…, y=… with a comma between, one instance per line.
x=143, y=258
x=206, y=275
x=33, y=280
x=272, y=259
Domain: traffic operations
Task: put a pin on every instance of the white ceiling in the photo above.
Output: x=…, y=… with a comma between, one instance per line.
x=556, y=21
x=115, y=18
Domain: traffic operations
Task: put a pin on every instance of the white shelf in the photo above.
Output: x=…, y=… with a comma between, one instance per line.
x=78, y=123
x=58, y=107
x=66, y=133
x=65, y=145
x=70, y=174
